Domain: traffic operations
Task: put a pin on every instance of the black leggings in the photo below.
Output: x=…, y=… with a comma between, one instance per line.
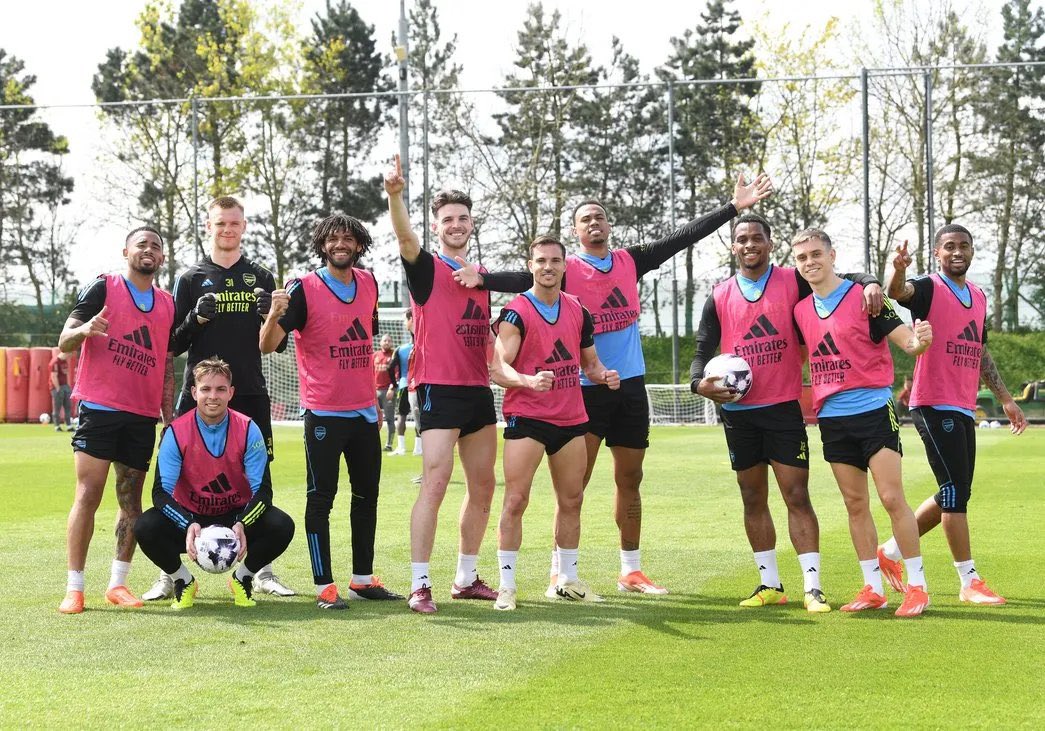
x=327, y=440
x=164, y=543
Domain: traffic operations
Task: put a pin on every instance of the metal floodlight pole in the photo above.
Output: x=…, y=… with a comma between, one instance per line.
x=930, y=193
x=424, y=193
x=402, y=52
x=195, y=108
x=866, y=153
x=674, y=259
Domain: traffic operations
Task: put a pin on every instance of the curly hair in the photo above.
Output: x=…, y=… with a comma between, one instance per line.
x=340, y=222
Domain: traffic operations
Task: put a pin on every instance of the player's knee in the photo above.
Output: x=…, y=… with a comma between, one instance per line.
x=147, y=524
x=318, y=505
x=858, y=504
x=953, y=498
x=515, y=504
x=282, y=528
x=894, y=502
x=796, y=498
x=629, y=479
x=755, y=500
x=88, y=497
x=570, y=504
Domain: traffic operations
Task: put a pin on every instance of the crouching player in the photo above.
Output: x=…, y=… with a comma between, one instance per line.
x=545, y=338
x=852, y=374
x=212, y=470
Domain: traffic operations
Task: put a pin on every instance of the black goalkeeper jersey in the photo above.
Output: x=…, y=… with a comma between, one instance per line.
x=233, y=334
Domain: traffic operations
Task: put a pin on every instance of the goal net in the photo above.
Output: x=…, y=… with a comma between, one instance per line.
x=668, y=404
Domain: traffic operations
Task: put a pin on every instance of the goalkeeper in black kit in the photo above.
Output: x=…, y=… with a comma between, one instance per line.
x=219, y=305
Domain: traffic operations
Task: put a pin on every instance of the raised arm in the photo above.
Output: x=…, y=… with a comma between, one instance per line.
x=650, y=256
x=395, y=183
x=896, y=284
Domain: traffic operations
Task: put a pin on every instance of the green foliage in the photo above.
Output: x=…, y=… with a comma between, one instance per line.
x=22, y=326
x=1011, y=161
x=33, y=188
x=340, y=57
x=717, y=134
x=1020, y=357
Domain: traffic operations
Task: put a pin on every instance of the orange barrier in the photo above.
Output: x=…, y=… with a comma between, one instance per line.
x=17, y=385
x=39, y=382
x=3, y=383
x=74, y=363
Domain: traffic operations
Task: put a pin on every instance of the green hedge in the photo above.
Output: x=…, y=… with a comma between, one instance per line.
x=1020, y=357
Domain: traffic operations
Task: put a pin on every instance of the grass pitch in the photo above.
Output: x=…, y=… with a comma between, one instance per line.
x=690, y=659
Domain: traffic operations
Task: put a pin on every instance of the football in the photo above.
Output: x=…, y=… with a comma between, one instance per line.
x=734, y=372
x=216, y=549
x=45, y=418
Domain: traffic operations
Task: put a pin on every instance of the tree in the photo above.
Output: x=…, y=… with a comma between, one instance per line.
x=1014, y=134
x=33, y=188
x=716, y=132
x=812, y=157
x=621, y=158
x=340, y=58
x=153, y=140
x=531, y=158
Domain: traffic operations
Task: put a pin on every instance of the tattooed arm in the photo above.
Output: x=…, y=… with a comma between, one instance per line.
x=167, y=402
x=992, y=379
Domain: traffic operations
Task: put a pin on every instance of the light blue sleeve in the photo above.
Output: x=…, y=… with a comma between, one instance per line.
x=255, y=458
x=168, y=462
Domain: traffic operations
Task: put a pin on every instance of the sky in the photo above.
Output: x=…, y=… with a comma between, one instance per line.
x=63, y=41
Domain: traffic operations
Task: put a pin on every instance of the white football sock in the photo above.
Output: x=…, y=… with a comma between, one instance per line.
x=915, y=572
x=420, y=577
x=182, y=573
x=120, y=571
x=507, y=561
x=966, y=572
x=466, y=571
x=401, y=443
x=891, y=549
x=767, y=569
x=75, y=581
x=320, y=588
x=568, y=563
x=873, y=575
x=362, y=579
x=554, y=571
x=243, y=572
x=630, y=561
x=810, y=563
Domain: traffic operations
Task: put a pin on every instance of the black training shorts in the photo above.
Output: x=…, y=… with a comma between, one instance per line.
x=853, y=440
x=468, y=408
x=117, y=436
x=620, y=417
x=553, y=437
x=773, y=433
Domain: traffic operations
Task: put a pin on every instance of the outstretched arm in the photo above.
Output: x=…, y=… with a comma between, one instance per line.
x=650, y=256
x=395, y=183
x=469, y=276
